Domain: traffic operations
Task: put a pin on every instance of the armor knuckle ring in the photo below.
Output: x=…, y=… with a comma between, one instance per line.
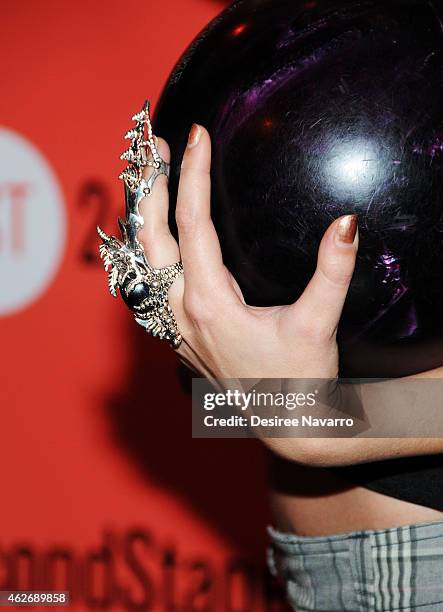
x=143, y=288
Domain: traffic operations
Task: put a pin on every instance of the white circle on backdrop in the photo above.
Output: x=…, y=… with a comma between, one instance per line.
x=32, y=223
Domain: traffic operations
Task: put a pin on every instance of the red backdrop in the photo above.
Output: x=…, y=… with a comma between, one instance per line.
x=104, y=492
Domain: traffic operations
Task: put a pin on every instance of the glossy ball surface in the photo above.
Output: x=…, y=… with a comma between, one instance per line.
x=318, y=109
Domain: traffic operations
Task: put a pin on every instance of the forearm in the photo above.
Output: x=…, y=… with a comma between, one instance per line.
x=404, y=418
x=333, y=452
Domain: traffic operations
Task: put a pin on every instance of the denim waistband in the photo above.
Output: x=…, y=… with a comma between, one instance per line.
x=399, y=568
x=339, y=541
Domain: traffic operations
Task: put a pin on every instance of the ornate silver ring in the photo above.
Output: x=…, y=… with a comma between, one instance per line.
x=143, y=288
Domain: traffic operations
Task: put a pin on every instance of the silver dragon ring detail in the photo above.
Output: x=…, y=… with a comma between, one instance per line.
x=143, y=288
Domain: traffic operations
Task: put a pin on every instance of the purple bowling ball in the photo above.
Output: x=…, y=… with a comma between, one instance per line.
x=318, y=109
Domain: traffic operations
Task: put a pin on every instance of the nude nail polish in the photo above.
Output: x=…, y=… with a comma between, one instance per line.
x=194, y=136
x=346, y=229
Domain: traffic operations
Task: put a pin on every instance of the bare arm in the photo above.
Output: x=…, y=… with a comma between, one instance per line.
x=329, y=452
x=347, y=451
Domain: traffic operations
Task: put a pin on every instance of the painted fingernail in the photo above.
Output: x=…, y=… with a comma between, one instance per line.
x=194, y=136
x=346, y=229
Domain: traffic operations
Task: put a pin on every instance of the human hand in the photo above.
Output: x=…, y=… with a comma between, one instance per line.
x=223, y=337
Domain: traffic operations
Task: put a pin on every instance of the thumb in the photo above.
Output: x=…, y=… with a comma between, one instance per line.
x=319, y=308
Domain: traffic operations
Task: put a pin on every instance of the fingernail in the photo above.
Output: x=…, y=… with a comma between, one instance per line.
x=194, y=136
x=346, y=229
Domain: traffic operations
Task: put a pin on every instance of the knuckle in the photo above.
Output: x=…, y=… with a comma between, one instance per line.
x=337, y=273
x=143, y=237
x=151, y=234
x=314, y=331
x=147, y=240
x=340, y=278
x=191, y=173
x=185, y=217
x=197, y=308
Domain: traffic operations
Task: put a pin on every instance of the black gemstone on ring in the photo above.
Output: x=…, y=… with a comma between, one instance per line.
x=136, y=296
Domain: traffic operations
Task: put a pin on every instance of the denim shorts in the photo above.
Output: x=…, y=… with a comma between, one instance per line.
x=387, y=569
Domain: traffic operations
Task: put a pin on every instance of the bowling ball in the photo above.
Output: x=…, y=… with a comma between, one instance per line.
x=316, y=109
